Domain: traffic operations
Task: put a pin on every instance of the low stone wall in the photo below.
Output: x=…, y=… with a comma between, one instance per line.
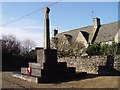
x=117, y=63
x=87, y=64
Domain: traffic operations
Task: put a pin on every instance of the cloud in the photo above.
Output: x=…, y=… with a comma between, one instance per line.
x=24, y=29
x=22, y=34
x=34, y=27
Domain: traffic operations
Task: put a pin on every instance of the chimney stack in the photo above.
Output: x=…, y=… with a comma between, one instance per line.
x=96, y=22
x=55, y=32
x=94, y=33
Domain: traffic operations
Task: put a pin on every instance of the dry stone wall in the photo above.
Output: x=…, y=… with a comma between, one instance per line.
x=117, y=62
x=88, y=64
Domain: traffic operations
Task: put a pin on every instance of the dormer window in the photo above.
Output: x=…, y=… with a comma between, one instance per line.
x=68, y=37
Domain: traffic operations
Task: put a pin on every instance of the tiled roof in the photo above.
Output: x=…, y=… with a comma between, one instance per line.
x=74, y=33
x=106, y=32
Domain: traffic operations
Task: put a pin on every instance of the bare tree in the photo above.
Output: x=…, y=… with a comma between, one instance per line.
x=10, y=45
x=27, y=46
x=66, y=49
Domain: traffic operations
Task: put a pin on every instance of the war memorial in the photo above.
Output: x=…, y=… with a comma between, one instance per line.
x=47, y=68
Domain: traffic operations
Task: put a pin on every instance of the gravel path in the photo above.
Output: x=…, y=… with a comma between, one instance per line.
x=8, y=81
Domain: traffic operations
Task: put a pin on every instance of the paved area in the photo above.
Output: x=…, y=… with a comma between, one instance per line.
x=8, y=81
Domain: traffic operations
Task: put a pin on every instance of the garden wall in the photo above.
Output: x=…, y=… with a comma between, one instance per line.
x=88, y=64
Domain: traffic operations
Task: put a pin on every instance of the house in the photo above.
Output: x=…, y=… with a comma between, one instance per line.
x=100, y=33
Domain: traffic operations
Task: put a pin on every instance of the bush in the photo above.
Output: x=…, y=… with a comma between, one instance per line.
x=118, y=48
x=104, y=49
x=94, y=49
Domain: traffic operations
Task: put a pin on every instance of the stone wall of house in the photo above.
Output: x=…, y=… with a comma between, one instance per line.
x=88, y=64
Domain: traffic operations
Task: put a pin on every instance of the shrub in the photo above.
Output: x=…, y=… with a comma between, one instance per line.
x=104, y=49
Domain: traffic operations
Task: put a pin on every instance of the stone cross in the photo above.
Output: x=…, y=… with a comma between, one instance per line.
x=46, y=28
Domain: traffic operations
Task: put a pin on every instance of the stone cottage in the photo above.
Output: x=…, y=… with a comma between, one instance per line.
x=100, y=33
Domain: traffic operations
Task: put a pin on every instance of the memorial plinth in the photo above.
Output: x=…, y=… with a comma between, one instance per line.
x=47, y=68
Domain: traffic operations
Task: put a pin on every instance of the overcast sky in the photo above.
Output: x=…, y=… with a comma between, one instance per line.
x=64, y=16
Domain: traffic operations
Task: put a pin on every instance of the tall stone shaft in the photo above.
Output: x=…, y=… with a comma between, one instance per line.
x=46, y=28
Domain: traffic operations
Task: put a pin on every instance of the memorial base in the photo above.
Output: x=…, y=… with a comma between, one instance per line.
x=50, y=79
x=47, y=70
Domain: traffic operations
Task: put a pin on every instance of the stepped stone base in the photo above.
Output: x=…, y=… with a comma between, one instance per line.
x=35, y=72
x=47, y=69
x=50, y=69
x=36, y=65
x=48, y=79
x=51, y=72
x=25, y=77
x=58, y=72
